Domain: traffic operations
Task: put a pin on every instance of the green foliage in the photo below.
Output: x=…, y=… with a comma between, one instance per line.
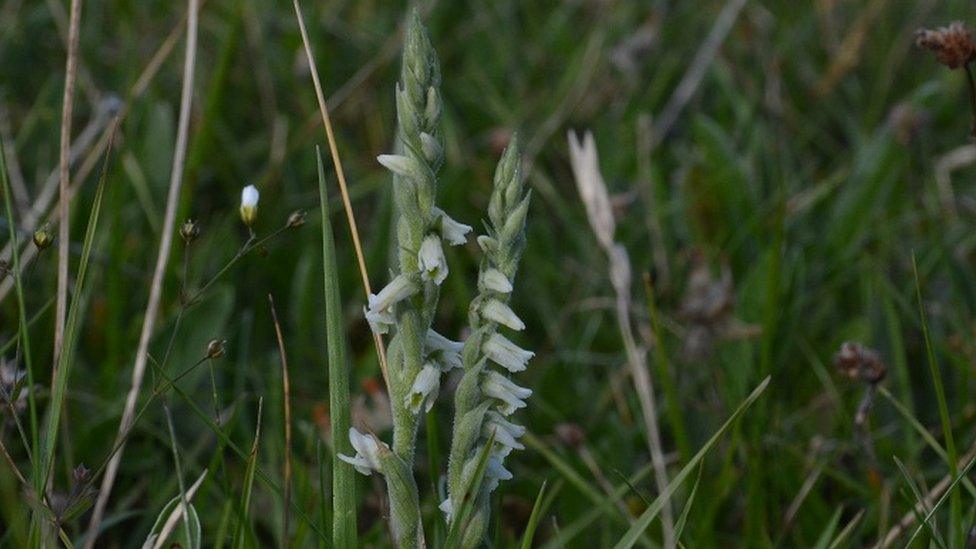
x=805, y=164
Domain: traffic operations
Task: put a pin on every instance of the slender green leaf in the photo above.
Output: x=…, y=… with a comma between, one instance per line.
x=534, y=518
x=630, y=537
x=343, y=475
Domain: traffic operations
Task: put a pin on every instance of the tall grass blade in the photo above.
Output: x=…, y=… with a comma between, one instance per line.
x=66, y=357
x=955, y=505
x=534, y=518
x=252, y=461
x=343, y=475
x=23, y=331
x=631, y=536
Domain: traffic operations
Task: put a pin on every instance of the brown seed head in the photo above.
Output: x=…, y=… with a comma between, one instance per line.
x=953, y=45
x=859, y=363
x=296, y=219
x=570, y=434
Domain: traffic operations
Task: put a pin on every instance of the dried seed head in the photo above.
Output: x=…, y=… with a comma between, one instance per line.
x=570, y=434
x=190, y=230
x=859, y=363
x=953, y=45
x=216, y=348
x=43, y=237
x=296, y=219
x=80, y=473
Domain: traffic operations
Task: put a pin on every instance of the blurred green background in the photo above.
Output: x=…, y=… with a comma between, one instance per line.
x=818, y=153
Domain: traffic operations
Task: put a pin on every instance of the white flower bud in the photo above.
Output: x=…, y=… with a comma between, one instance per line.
x=367, y=449
x=452, y=231
x=402, y=166
x=443, y=350
x=506, y=354
x=431, y=148
x=501, y=388
x=433, y=264
x=249, y=204
x=501, y=313
x=424, y=389
x=494, y=280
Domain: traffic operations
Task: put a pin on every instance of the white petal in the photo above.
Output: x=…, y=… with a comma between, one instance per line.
x=506, y=354
x=501, y=313
x=431, y=260
x=379, y=321
x=249, y=197
x=501, y=388
x=402, y=165
x=445, y=351
x=493, y=279
x=397, y=290
x=447, y=508
x=424, y=389
x=454, y=233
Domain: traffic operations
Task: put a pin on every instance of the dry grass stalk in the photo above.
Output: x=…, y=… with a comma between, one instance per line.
x=286, y=389
x=341, y=176
x=67, y=106
x=596, y=200
x=162, y=259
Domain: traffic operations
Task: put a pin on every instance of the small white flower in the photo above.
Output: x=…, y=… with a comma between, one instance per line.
x=433, y=264
x=447, y=508
x=367, y=449
x=506, y=354
x=445, y=351
x=424, y=389
x=505, y=432
x=493, y=279
x=501, y=313
x=380, y=321
x=452, y=231
x=499, y=387
x=379, y=311
x=402, y=166
x=495, y=471
x=249, y=204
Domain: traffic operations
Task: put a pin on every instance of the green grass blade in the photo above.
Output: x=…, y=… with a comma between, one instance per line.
x=949, y=491
x=66, y=356
x=679, y=526
x=469, y=496
x=534, y=518
x=846, y=532
x=343, y=475
x=828, y=532
x=23, y=333
x=955, y=505
x=252, y=461
x=919, y=499
x=631, y=536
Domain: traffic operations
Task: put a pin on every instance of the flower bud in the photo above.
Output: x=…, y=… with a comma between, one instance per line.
x=43, y=237
x=249, y=204
x=216, y=348
x=189, y=231
x=296, y=219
